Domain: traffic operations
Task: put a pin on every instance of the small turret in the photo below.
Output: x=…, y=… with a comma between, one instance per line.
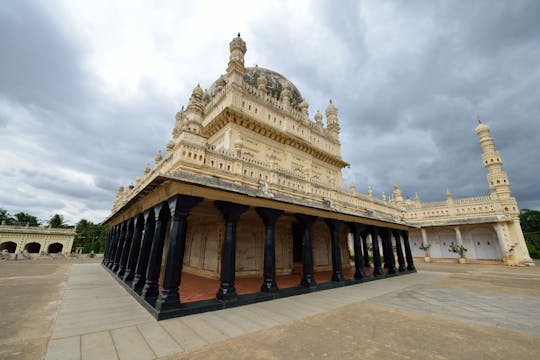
x=195, y=111
x=285, y=98
x=235, y=69
x=318, y=119
x=332, y=121
x=398, y=196
x=158, y=157
x=304, y=106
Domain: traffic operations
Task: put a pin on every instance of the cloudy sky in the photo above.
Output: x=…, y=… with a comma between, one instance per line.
x=89, y=90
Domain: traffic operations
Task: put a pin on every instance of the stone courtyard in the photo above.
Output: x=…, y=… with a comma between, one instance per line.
x=74, y=309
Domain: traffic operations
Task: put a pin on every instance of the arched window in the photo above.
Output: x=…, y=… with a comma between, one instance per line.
x=32, y=247
x=10, y=246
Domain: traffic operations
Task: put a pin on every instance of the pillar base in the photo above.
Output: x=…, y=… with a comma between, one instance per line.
x=269, y=286
x=338, y=276
x=150, y=291
x=308, y=281
x=378, y=272
x=227, y=294
x=167, y=302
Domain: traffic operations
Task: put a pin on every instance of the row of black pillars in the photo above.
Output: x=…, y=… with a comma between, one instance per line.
x=135, y=248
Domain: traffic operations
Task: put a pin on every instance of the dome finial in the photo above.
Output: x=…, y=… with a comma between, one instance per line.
x=238, y=34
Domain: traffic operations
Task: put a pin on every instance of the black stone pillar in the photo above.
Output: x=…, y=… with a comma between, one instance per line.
x=179, y=207
x=384, y=244
x=365, y=249
x=107, y=248
x=135, y=248
x=151, y=287
x=269, y=218
x=333, y=226
x=399, y=250
x=119, y=247
x=142, y=263
x=374, y=232
x=356, y=229
x=114, y=243
x=408, y=254
x=231, y=213
x=306, y=222
x=389, y=259
x=126, y=249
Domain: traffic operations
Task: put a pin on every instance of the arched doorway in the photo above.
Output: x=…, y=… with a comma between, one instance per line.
x=32, y=247
x=10, y=246
x=55, y=248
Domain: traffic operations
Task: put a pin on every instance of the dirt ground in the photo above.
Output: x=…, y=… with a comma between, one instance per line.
x=31, y=291
x=373, y=331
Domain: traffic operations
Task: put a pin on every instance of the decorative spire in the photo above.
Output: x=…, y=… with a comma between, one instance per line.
x=332, y=121
x=235, y=69
x=158, y=157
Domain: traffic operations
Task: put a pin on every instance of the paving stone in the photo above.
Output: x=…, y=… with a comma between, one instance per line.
x=64, y=349
x=203, y=329
x=510, y=312
x=159, y=340
x=186, y=337
x=98, y=346
x=131, y=345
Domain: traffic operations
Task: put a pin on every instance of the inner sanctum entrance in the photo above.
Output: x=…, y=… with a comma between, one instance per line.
x=297, y=242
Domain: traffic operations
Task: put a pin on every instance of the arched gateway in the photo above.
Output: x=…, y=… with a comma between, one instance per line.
x=247, y=204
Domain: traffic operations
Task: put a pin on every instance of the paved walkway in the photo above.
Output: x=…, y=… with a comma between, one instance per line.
x=99, y=320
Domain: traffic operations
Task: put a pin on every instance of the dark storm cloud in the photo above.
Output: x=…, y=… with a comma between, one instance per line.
x=482, y=59
x=409, y=78
x=51, y=119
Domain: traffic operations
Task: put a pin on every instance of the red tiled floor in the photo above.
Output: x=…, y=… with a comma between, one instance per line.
x=195, y=288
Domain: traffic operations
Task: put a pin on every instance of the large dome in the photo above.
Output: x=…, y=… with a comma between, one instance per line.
x=275, y=83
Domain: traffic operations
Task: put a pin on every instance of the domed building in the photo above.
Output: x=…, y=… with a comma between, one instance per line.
x=247, y=204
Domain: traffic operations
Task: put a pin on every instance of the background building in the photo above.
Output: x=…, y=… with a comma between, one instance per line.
x=36, y=239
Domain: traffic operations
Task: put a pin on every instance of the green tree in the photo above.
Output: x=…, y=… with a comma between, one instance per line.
x=6, y=218
x=530, y=224
x=57, y=221
x=90, y=236
x=26, y=219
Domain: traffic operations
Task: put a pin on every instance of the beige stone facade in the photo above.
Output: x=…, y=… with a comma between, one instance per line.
x=35, y=239
x=250, y=139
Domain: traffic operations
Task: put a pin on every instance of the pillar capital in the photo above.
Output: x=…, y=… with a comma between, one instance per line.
x=180, y=205
x=231, y=211
x=269, y=216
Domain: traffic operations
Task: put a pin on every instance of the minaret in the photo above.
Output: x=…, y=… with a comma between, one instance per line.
x=498, y=182
x=235, y=69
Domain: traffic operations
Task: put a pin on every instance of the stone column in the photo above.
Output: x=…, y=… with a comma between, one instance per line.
x=389, y=258
x=107, y=247
x=114, y=244
x=151, y=288
x=126, y=249
x=424, y=237
x=135, y=248
x=459, y=238
x=374, y=232
x=333, y=226
x=365, y=249
x=384, y=245
x=231, y=213
x=142, y=263
x=179, y=207
x=356, y=229
x=119, y=247
x=307, y=221
x=269, y=218
x=408, y=254
x=497, y=228
x=399, y=250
